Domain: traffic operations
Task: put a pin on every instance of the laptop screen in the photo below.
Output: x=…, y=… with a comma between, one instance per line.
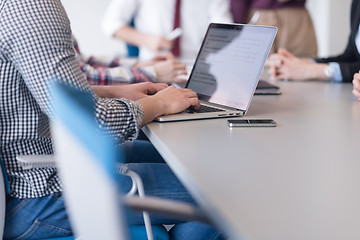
x=230, y=62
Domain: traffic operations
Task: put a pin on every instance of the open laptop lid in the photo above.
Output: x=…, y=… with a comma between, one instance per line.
x=229, y=63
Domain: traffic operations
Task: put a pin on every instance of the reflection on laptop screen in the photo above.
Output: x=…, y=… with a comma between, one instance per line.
x=230, y=62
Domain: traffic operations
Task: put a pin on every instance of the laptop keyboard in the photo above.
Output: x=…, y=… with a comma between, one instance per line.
x=203, y=109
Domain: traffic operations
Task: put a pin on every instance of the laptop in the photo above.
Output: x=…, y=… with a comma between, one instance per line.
x=227, y=70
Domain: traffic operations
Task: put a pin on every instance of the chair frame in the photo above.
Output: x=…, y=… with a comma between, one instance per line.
x=74, y=130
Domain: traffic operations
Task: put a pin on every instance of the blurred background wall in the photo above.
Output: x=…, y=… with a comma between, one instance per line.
x=331, y=19
x=332, y=24
x=85, y=17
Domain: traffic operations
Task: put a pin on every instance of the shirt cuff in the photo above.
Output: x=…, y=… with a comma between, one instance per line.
x=336, y=71
x=335, y=68
x=138, y=113
x=137, y=110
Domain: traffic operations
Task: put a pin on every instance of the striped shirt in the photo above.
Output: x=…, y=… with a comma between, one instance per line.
x=35, y=46
x=104, y=71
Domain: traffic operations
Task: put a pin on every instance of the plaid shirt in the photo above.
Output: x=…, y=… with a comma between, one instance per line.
x=36, y=45
x=111, y=71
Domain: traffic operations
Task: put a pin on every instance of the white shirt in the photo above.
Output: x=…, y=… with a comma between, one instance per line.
x=157, y=17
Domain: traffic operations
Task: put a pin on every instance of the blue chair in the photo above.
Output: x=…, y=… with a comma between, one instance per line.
x=81, y=144
x=4, y=190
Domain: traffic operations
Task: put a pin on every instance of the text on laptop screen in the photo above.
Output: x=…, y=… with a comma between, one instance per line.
x=230, y=62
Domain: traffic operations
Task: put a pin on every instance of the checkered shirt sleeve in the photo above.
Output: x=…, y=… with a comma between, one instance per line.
x=111, y=71
x=35, y=46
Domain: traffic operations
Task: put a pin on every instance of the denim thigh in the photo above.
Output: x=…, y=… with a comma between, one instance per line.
x=141, y=151
x=35, y=218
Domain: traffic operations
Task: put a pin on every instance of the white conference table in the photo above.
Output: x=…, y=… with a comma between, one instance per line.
x=297, y=181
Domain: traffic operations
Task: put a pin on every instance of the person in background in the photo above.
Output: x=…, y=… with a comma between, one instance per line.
x=295, y=28
x=36, y=47
x=284, y=65
x=154, y=20
x=104, y=71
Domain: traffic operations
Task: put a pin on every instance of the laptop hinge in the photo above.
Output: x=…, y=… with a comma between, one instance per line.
x=219, y=106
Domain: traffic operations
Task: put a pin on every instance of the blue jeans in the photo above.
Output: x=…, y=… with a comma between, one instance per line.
x=46, y=217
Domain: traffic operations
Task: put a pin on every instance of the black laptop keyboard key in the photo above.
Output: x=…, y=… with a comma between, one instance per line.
x=203, y=109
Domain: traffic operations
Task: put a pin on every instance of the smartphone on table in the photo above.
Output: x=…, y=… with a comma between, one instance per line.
x=251, y=123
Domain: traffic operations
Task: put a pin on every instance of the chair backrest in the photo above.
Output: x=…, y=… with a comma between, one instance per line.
x=3, y=187
x=86, y=167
